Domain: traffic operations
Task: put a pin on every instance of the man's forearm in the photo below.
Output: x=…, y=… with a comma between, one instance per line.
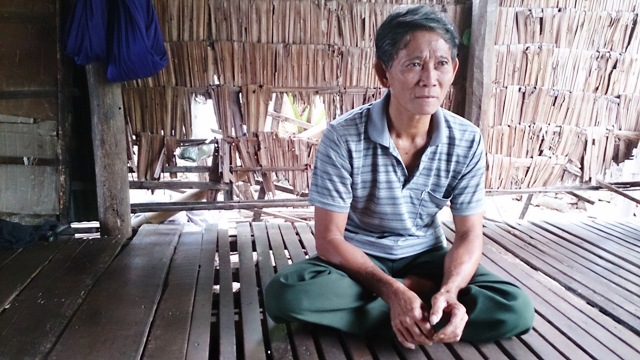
x=359, y=267
x=461, y=262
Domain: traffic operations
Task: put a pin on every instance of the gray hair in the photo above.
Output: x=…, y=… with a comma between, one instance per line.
x=395, y=31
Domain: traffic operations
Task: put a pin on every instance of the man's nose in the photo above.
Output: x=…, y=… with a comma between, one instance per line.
x=428, y=76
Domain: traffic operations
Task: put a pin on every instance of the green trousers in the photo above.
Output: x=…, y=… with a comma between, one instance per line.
x=316, y=292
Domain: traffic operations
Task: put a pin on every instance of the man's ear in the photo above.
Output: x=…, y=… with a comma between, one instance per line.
x=381, y=72
x=456, y=64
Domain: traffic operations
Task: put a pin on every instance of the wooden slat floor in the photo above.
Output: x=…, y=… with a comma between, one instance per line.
x=152, y=298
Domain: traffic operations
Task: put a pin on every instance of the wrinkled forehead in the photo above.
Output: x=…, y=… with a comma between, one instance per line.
x=434, y=40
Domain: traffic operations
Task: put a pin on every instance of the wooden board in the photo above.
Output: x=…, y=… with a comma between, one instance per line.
x=154, y=302
x=583, y=326
x=226, y=312
x=32, y=323
x=302, y=340
x=123, y=300
x=22, y=267
x=29, y=189
x=169, y=332
x=252, y=342
x=200, y=332
x=277, y=337
x=574, y=276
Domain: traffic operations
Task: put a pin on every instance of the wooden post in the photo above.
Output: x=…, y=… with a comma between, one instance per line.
x=110, y=153
x=479, y=76
x=526, y=206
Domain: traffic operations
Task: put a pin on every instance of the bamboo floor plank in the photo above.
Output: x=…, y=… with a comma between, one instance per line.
x=276, y=333
x=563, y=237
x=419, y=354
x=585, y=326
x=356, y=347
x=439, y=351
x=198, y=344
x=227, y=312
x=611, y=247
x=303, y=344
x=292, y=242
x=594, y=289
x=329, y=345
x=465, y=351
x=595, y=299
x=124, y=311
x=492, y=351
x=515, y=349
x=34, y=320
x=169, y=332
x=633, y=225
x=252, y=342
x=627, y=233
x=67, y=286
x=614, y=280
x=492, y=259
x=383, y=348
x=611, y=235
x=599, y=265
x=304, y=230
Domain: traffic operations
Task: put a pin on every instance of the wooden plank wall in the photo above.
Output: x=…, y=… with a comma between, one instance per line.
x=565, y=100
x=30, y=176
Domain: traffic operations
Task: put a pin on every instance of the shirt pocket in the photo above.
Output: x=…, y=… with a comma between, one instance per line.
x=429, y=206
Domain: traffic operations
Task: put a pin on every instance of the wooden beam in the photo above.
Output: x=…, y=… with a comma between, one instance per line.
x=65, y=119
x=28, y=161
x=173, y=185
x=269, y=168
x=109, y=149
x=617, y=191
x=28, y=94
x=290, y=120
x=226, y=205
x=483, y=24
x=580, y=197
x=186, y=169
x=625, y=185
x=526, y=206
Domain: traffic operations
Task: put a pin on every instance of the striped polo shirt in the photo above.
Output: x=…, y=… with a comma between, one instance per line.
x=358, y=170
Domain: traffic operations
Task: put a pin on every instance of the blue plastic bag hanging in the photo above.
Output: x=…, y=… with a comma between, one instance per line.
x=136, y=46
x=86, y=31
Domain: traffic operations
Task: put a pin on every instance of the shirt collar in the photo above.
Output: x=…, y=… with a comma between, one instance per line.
x=379, y=131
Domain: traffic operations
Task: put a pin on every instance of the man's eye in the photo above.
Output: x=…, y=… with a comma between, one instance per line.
x=443, y=63
x=416, y=64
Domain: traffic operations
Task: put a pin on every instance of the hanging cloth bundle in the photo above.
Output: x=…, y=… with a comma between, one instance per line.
x=86, y=32
x=123, y=33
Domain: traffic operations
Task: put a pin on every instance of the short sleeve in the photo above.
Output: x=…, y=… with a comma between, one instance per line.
x=468, y=193
x=331, y=179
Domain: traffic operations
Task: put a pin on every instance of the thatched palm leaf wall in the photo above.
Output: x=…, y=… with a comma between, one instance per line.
x=241, y=52
x=565, y=94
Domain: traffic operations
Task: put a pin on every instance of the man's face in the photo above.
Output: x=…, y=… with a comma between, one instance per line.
x=420, y=75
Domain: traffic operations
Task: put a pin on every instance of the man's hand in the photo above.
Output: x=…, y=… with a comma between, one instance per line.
x=409, y=319
x=445, y=304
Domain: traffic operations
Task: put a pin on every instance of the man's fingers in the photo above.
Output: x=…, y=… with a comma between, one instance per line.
x=452, y=332
x=437, y=307
x=412, y=334
x=403, y=338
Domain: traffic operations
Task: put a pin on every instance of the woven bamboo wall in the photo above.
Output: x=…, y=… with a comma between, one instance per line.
x=565, y=101
x=249, y=50
x=304, y=47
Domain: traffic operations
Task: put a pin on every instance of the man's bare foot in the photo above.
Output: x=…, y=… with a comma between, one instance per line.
x=420, y=285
